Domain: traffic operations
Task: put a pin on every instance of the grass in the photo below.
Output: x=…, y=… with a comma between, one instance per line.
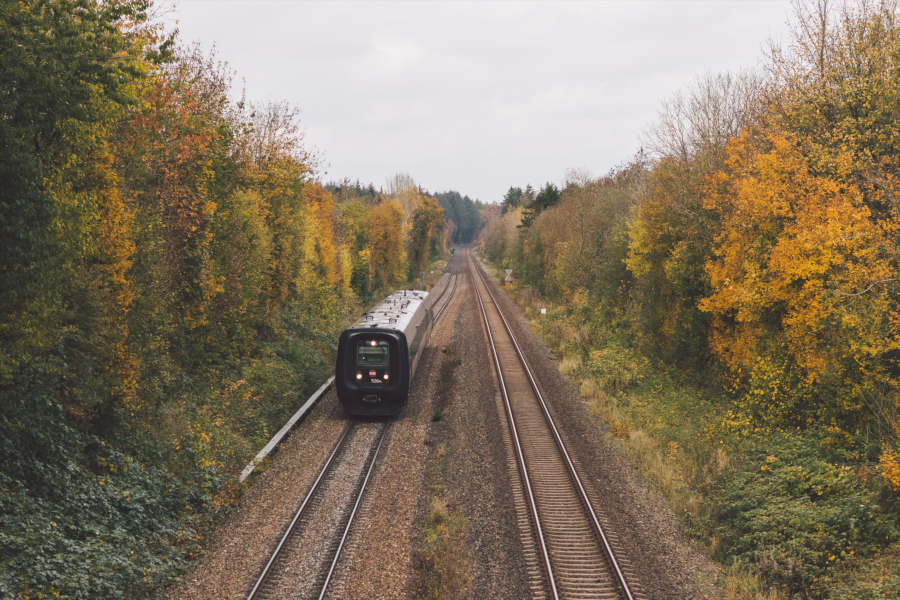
x=442, y=560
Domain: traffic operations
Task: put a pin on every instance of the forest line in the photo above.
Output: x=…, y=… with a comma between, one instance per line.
x=173, y=278
x=750, y=247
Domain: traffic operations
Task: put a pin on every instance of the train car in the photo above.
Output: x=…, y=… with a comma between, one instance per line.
x=377, y=357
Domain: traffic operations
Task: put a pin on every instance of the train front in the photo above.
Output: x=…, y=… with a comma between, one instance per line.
x=372, y=371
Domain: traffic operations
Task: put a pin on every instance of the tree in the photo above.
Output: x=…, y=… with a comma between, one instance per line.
x=425, y=220
x=547, y=197
x=513, y=198
x=60, y=96
x=386, y=255
x=463, y=212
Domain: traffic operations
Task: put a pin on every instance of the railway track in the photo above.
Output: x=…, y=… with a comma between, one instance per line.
x=449, y=298
x=573, y=556
x=304, y=561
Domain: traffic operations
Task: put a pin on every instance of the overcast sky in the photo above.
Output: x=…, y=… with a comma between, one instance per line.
x=477, y=96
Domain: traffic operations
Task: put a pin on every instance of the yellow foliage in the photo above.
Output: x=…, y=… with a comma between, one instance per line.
x=387, y=257
x=798, y=258
x=890, y=465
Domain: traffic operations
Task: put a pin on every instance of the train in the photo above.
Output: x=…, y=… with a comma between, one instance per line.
x=377, y=357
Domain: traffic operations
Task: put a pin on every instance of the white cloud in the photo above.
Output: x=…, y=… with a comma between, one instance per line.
x=477, y=96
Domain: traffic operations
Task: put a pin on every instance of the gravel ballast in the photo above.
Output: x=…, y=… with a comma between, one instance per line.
x=475, y=478
x=668, y=566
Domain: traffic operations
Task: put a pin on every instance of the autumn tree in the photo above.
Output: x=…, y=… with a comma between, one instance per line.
x=387, y=255
x=803, y=286
x=671, y=236
x=425, y=220
x=61, y=97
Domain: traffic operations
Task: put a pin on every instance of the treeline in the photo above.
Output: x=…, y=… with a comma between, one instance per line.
x=463, y=213
x=172, y=282
x=752, y=245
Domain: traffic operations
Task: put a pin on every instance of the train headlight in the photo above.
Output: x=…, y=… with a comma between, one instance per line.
x=385, y=376
x=359, y=375
x=374, y=342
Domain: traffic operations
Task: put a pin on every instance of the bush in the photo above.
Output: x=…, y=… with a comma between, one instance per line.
x=81, y=520
x=617, y=369
x=797, y=512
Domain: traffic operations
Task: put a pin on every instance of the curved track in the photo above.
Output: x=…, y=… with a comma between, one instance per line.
x=447, y=269
x=304, y=560
x=575, y=553
x=437, y=315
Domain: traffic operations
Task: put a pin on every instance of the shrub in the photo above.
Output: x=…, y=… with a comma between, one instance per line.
x=617, y=369
x=796, y=512
x=81, y=520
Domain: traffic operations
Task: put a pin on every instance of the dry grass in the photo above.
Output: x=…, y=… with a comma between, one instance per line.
x=570, y=365
x=442, y=562
x=740, y=583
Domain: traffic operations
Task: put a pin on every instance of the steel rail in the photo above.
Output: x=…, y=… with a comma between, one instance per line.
x=565, y=454
x=265, y=574
x=443, y=291
x=519, y=454
x=449, y=298
x=359, y=498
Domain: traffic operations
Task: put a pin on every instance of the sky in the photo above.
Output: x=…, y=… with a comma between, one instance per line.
x=476, y=96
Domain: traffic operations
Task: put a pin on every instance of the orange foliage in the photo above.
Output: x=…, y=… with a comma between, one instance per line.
x=799, y=261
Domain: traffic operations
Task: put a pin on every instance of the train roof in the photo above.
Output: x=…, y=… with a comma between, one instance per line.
x=396, y=311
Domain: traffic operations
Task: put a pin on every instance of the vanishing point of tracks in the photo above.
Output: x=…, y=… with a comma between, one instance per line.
x=437, y=314
x=573, y=556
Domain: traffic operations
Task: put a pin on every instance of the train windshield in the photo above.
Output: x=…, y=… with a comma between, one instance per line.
x=372, y=354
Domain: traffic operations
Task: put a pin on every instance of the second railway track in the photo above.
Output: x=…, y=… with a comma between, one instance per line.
x=303, y=562
x=576, y=555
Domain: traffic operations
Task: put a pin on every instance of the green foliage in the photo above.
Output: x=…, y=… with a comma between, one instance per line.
x=547, y=197
x=463, y=211
x=616, y=369
x=797, y=512
x=79, y=519
x=425, y=220
x=515, y=198
x=59, y=94
x=167, y=295
x=876, y=579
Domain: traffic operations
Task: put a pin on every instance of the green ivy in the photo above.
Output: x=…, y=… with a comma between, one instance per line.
x=797, y=512
x=78, y=518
